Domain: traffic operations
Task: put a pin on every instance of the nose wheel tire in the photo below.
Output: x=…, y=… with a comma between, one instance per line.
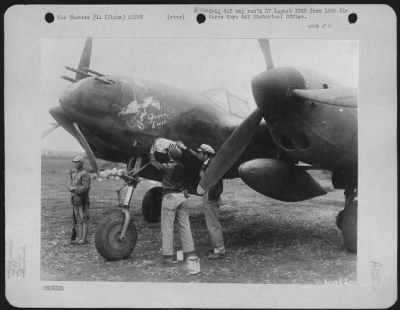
x=107, y=238
x=151, y=205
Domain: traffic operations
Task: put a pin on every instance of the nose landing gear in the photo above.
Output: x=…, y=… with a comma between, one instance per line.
x=109, y=241
x=116, y=234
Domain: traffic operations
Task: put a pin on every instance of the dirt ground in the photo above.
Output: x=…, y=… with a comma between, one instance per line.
x=268, y=241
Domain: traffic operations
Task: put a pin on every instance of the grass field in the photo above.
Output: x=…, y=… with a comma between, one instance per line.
x=267, y=241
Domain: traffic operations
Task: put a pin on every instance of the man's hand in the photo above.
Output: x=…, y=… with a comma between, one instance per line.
x=181, y=145
x=152, y=149
x=72, y=189
x=186, y=193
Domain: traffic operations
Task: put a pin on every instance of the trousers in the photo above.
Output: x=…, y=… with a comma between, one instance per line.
x=173, y=209
x=81, y=209
x=211, y=213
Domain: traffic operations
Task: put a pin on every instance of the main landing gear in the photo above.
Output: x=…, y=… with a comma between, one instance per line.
x=151, y=205
x=346, y=219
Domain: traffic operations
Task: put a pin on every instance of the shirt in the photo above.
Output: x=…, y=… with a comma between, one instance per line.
x=81, y=181
x=173, y=174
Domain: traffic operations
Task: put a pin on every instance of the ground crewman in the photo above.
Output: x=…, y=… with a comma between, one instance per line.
x=173, y=206
x=211, y=201
x=80, y=186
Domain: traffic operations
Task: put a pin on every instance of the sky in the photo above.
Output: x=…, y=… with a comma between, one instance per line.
x=191, y=64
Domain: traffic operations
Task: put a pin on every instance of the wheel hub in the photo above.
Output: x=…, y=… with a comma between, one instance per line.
x=115, y=238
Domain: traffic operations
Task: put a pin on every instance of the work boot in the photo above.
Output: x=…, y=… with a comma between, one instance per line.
x=217, y=253
x=79, y=234
x=83, y=239
x=189, y=254
x=168, y=260
x=74, y=237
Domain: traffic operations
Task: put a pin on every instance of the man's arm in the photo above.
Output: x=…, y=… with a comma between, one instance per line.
x=156, y=163
x=185, y=148
x=85, y=184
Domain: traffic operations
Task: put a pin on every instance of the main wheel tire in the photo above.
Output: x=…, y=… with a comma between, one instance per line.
x=339, y=219
x=107, y=240
x=151, y=205
x=349, y=228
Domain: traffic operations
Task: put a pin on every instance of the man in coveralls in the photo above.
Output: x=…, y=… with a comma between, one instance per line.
x=211, y=201
x=80, y=186
x=173, y=206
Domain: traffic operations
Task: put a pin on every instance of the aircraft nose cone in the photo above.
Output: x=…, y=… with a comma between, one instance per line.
x=67, y=99
x=272, y=88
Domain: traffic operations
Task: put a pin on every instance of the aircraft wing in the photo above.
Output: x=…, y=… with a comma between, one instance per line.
x=344, y=97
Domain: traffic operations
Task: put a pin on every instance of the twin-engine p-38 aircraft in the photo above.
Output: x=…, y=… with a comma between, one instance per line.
x=301, y=117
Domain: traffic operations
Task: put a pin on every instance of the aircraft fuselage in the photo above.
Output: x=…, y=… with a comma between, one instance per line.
x=121, y=119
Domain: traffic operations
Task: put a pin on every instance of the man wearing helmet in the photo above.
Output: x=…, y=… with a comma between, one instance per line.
x=80, y=186
x=211, y=201
x=173, y=207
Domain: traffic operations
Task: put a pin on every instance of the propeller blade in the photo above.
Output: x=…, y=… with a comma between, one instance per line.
x=85, y=59
x=49, y=130
x=86, y=146
x=344, y=97
x=230, y=151
x=266, y=50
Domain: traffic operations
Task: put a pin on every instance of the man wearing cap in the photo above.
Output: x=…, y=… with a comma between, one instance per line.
x=80, y=186
x=211, y=202
x=173, y=206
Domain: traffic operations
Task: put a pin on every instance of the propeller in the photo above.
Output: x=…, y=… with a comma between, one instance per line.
x=238, y=141
x=84, y=65
x=63, y=120
x=58, y=113
x=84, y=62
x=80, y=137
x=49, y=130
x=230, y=151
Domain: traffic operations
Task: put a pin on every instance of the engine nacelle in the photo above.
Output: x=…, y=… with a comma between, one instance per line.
x=279, y=180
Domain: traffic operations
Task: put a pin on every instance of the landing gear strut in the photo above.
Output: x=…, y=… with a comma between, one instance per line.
x=346, y=219
x=116, y=235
